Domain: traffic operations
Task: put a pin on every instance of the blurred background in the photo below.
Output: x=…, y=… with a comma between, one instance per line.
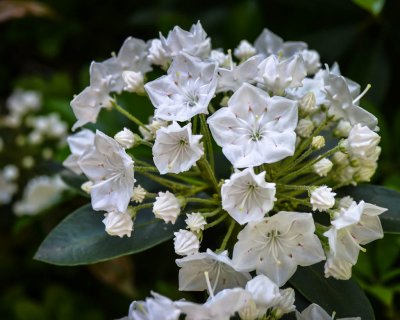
x=46, y=48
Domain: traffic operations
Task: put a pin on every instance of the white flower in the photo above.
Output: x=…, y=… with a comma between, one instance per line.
x=195, y=222
x=20, y=102
x=338, y=268
x=269, y=43
x=230, y=78
x=221, y=58
x=40, y=193
x=322, y=198
x=308, y=104
x=156, y=308
x=311, y=61
x=176, y=149
x=284, y=303
x=150, y=130
x=193, y=42
x=166, y=207
x=185, y=91
x=220, y=270
x=7, y=189
x=315, y=312
x=134, y=81
x=322, y=167
x=247, y=196
x=305, y=127
x=157, y=54
x=110, y=169
x=219, y=307
x=275, y=246
x=244, y=50
x=255, y=128
x=264, y=293
x=276, y=75
x=10, y=172
x=186, y=243
x=125, y=138
x=118, y=224
x=78, y=143
x=362, y=141
x=138, y=194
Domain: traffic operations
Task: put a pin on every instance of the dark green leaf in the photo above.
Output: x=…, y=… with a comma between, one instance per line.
x=382, y=197
x=74, y=181
x=80, y=238
x=373, y=6
x=344, y=297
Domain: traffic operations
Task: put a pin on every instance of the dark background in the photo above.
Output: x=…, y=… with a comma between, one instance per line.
x=49, y=45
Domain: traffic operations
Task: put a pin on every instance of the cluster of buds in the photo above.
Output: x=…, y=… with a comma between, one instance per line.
x=293, y=133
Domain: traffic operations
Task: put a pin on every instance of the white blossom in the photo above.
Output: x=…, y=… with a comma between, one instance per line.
x=118, y=224
x=362, y=141
x=276, y=245
x=157, y=54
x=138, y=194
x=195, y=221
x=10, y=172
x=21, y=102
x=343, y=128
x=185, y=91
x=186, y=243
x=322, y=198
x=7, y=189
x=176, y=149
x=221, y=272
x=284, y=303
x=110, y=169
x=244, y=50
x=305, y=127
x=315, y=312
x=166, y=207
x=223, y=60
x=78, y=143
x=125, y=138
x=134, y=81
x=149, y=130
x=247, y=196
x=322, y=167
x=276, y=75
x=311, y=61
x=337, y=268
x=156, y=308
x=255, y=128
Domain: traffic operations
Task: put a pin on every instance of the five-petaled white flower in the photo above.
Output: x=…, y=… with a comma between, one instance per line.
x=185, y=91
x=176, y=149
x=275, y=246
x=110, y=169
x=247, y=196
x=78, y=143
x=255, y=128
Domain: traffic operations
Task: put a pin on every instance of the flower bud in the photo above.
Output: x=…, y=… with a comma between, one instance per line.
x=342, y=129
x=118, y=224
x=318, y=142
x=365, y=172
x=221, y=58
x=322, y=198
x=304, y=128
x=308, y=104
x=186, y=243
x=157, y=54
x=134, y=81
x=166, y=207
x=125, y=138
x=244, y=50
x=345, y=202
x=195, y=222
x=138, y=194
x=340, y=159
x=311, y=61
x=322, y=167
x=362, y=141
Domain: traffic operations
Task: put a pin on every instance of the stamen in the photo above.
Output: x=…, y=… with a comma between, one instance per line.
x=362, y=94
x=210, y=290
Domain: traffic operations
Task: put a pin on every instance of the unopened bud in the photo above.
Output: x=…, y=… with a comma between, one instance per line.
x=134, y=81
x=304, y=128
x=318, y=142
x=308, y=104
x=125, y=138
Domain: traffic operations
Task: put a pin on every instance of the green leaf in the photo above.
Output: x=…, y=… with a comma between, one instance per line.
x=382, y=197
x=344, y=297
x=80, y=238
x=74, y=181
x=373, y=6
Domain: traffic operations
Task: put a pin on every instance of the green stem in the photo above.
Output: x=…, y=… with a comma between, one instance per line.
x=142, y=206
x=128, y=115
x=201, y=200
x=207, y=139
x=146, y=143
x=293, y=187
x=227, y=236
x=167, y=183
x=294, y=200
x=212, y=213
x=208, y=173
x=146, y=169
x=215, y=222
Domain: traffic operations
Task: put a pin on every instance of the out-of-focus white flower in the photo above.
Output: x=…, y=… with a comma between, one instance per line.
x=318, y=142
x=110, y=169
x=125, y=138
x=176, y=149
x=78, y=143
x=156, y=308
x=322, y=198
x=244, y=50
x=275, y=246
x=195, y=222
x=20, y=102
x=28, y=162
x=221, y=272
x=166, y=207
x=39, y=194
x=157, y=54
x=255, y=128
x=322, y=167
x=342, y=129
x=186, y=243
x=118, y=224
x=10, y=172
x=247, y=196
x=314, y=312
x=7, y=189
x=362, y=141
x=193, y=42
x=231, y=77
x=305, y=127
x=276, y=75
x=134, y=81
x=138, y=194
x=50, y=126
x=185, y=91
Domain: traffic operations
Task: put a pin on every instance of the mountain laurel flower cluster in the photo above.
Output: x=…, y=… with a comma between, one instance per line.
x=254, y=145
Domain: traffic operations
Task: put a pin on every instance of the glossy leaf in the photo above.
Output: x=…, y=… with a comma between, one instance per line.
x=74, y=181
x=382, y=197
x=373, y=6
x=80, y=238
x=344, y=297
